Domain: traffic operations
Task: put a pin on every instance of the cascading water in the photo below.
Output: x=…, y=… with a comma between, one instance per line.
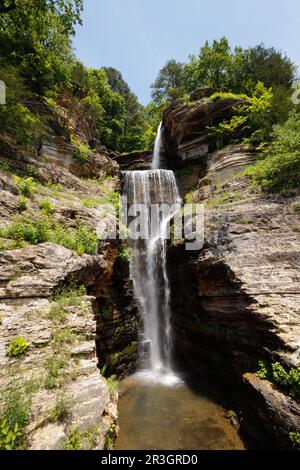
x=157, y=149
x=148, y=265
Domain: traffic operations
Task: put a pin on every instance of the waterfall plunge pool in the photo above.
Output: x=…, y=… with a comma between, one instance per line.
x=169, y=415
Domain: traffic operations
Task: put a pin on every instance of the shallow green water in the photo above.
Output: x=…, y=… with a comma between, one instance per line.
x=154, y=416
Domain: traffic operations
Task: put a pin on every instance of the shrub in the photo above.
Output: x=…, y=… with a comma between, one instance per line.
x=296, y=208
x=15, y=417
x=26, y=186
x=124, y=253
x=82, y=152
x=288, y=380
x=25, y=229
x=17, y=346
x=9, y=436
x=62, y=337
x=77, y=439
x=56, y=370
x=62, y=410
x=73, y=440
x=109, y=438
x=82, y=240
x=22, y=204
x=278, y=166
x=295, y=439
x=46, y=207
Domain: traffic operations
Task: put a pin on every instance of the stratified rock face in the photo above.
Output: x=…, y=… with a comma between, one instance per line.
x=61, y=359
x=41, y=301
x=237, y=300
x=186, y=138
x=134, y=161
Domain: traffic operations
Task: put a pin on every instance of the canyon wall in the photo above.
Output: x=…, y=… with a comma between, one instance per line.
x=236, y=301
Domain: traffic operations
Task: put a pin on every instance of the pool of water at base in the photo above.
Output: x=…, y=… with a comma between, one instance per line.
x=164, y=413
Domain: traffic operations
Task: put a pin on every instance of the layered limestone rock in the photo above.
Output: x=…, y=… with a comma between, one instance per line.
x=61, y=331
x=134, y=161
x=236, y=301
x=185, y=128
x=55, y=298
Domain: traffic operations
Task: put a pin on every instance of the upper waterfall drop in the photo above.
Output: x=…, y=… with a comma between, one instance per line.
x=157, y=148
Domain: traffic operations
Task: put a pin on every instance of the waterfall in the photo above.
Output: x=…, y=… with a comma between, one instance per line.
x=157, y=148
x=148, y=269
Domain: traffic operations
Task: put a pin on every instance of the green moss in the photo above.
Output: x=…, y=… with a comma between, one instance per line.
x=131, y=349
x=107, y=313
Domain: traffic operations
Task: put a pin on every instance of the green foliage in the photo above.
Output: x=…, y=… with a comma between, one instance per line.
x=15, y=416
x=134, y=120
x=25, y=229
x=73, y=440
x=124, y=253
x=248, y=120
x=62, y=337
x=295, y=439
x=278, y=168
x=22, y=204
x=107, y=313
x=169, y=84
x=82, y=439
x=65, y=298
x=9, y=437
x=239, y=70
x=17, y=346
x=26, y=186
x=296, y=208
x=112, y=384
x=55, y=367
x=82, y=153
x=288, y=380
x=44, y=229
x=62, y=412
x=110, y=438
x=46, y=207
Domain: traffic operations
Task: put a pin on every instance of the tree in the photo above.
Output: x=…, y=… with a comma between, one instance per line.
x=278, y=168
x=69, y=11
x=170, y=83
x=210, y=68
x=35, y=37
x=133, y=137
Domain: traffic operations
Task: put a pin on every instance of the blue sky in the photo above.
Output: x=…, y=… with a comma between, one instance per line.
x=138, y=36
